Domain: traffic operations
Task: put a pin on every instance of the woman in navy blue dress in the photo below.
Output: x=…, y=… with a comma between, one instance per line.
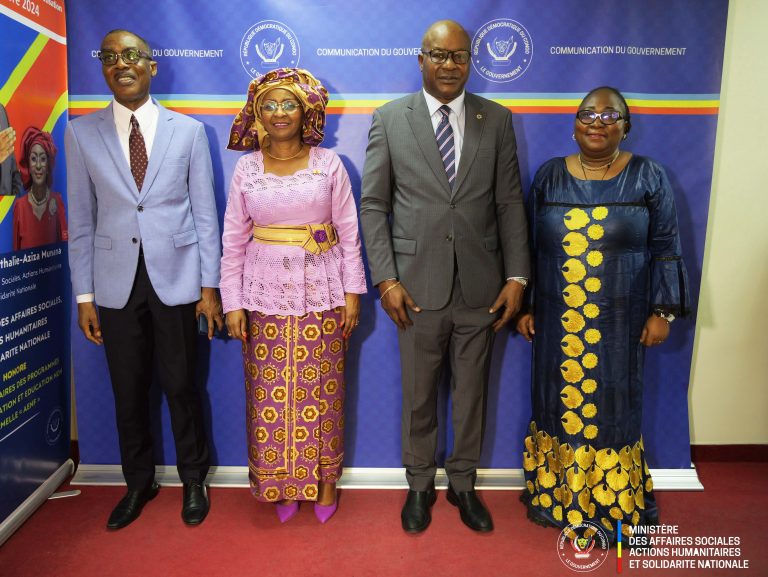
x=608, y=282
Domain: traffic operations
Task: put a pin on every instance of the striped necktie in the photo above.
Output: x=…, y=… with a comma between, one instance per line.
x=445, y=144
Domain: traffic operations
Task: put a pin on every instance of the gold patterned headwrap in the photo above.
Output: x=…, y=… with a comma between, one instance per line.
x=248, y=133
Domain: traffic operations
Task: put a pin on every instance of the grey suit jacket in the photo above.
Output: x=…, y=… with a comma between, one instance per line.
x=10, y=178
x=417, y=229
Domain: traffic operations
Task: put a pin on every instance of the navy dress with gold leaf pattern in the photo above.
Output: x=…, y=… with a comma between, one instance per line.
x=607, y=253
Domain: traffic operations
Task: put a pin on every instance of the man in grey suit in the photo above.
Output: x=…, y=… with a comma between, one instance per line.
x=144, y=246
x=10, y=178
x=446, y=237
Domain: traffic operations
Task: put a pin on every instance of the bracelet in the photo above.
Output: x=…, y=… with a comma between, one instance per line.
x=389, y=289
x=669, y=317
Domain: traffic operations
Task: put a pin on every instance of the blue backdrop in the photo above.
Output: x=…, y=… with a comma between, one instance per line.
x=34, y=283
x=665, y=56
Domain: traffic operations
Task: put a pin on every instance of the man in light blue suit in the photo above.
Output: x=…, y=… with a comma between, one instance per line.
x=145, y=248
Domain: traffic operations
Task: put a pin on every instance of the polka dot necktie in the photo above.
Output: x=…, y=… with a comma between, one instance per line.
x=445, y=144
x=138, y=153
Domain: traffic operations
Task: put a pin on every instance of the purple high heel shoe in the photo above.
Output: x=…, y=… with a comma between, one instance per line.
x=325, y=512
x=287, y=512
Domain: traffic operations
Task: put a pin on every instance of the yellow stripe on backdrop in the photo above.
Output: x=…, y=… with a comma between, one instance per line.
x=22, y=68
x=6, y=202
x=59, y=108
x=352, y=106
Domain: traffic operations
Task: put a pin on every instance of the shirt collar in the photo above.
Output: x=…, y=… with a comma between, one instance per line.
x=457, y=104
x=144, y=114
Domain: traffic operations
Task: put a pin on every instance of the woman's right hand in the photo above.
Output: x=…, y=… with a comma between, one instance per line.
x=7, y=138
x=237, y=325
x=525, y=326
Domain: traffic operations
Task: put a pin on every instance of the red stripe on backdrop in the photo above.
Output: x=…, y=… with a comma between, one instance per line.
x=32, y=102
x=634, y=109
x=654, y=110
x=336, y=110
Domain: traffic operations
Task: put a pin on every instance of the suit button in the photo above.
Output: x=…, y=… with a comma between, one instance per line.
x=141, y=208
x=449, y=237
x=452, y=205
x=134, y=240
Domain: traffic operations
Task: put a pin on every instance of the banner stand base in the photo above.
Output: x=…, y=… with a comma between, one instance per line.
x=64, y=494
x=31, y=503
x=371, y=478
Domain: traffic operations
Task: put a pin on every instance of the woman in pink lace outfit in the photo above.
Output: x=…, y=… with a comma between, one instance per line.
x=291, y=276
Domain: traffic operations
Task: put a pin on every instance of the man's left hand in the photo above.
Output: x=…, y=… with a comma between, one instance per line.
x=210, y=306
x=510, y=297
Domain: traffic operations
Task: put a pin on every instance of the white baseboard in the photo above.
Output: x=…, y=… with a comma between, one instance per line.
x=372, y=478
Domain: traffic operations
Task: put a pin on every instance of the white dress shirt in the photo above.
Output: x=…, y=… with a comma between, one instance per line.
x=146, y=115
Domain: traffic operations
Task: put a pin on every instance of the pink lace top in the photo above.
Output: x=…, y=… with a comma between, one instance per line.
x=287, y=280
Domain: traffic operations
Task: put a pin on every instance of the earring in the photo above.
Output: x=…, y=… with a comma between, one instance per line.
x=573, y=136
x=624, y=137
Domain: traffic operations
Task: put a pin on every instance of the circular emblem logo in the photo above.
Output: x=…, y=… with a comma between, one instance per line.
x=267, y=45
x=502, y=50
x=54, y=426
x=582, y=546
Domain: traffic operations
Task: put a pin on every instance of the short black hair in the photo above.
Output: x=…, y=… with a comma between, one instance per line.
x=147, y=48
x=626, y=114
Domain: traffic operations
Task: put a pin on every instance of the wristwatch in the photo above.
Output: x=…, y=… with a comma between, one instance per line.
x=669, y=317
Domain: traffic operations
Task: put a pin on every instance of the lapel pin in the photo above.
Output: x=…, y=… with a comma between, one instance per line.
x=479, y=116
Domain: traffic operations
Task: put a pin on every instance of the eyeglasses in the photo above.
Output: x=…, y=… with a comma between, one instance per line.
x=439, y=56
x=286, y=106
x=129, y=56
x=606, y=116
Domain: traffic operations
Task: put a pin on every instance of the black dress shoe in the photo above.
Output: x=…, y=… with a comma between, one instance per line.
x=129, y=508
x=196, y=503
x=473, y=512
x=415, y=515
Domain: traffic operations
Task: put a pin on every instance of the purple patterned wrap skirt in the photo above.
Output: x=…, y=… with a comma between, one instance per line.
x=294, y=382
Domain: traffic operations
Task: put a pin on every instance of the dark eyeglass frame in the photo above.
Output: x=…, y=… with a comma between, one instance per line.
x=286, y=106
x=128, y=56
x=436, y=59
x=607, y=117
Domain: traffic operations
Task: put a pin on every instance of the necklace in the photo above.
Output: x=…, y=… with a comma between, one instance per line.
x=42, y=201
x=607, y=166
x=301, y=149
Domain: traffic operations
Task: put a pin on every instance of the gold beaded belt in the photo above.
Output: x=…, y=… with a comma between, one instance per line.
x=314, y=238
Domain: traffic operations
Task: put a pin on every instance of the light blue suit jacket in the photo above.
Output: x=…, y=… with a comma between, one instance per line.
x=173, y=217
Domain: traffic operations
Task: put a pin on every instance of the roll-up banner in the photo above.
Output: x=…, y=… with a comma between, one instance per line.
x=537, y=58
x=34, y=275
